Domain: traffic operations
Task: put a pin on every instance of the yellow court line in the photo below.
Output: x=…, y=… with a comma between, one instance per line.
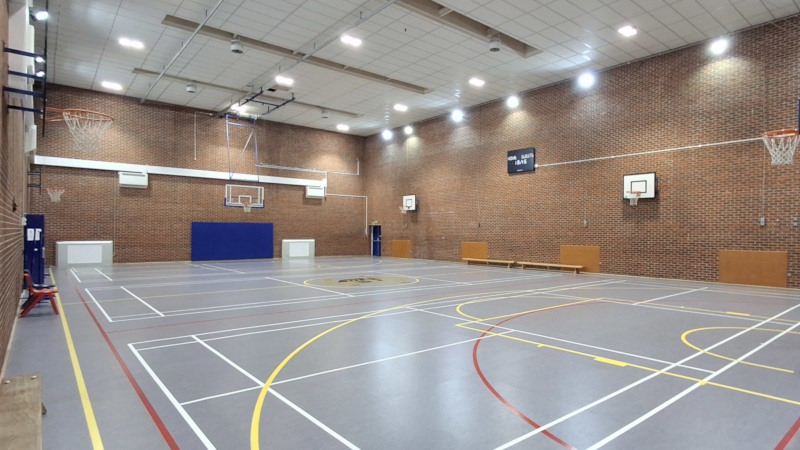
x=703, y=310
x=256, y=420
x=686, y=341
x=478, y=320
x=649, y=369
x=91, y=422
x=613, y=362
x=737, y=314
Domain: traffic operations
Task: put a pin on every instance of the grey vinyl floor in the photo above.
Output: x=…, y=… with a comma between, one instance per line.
x=385, y=353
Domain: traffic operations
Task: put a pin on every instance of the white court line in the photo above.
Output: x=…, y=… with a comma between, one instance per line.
x=101, y=273
x=481, y=297
x=197, y=431
x=224, y=394
x=143, y=302
x=222, y=268
x=75, y=275
x=98, y=305
x=691, y=388
x=415, y=276
x=643, y=380
x=580, y=344
x=302, y=412
x=668, y=296
x=305, y=285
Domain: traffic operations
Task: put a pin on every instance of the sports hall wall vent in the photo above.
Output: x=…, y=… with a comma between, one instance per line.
x=136, y=180
x=315, y=192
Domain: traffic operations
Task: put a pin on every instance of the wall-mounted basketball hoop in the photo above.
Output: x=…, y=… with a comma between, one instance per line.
x=246, y=205
x=633, y=197
x=781, y=145
x=86, y=127
x=55, y=194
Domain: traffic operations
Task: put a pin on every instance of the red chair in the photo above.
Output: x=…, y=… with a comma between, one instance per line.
x=37, y=295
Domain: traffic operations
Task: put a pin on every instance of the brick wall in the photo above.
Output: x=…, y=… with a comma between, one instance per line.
x=12, y=201
x=154, y=224
x=708, y=199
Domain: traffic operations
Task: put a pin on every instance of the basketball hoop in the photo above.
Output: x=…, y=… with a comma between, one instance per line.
x=634, y=197
x=781, y=145
x=86, y=127
x=403, y=209
x=246, y=206
x=55, y=194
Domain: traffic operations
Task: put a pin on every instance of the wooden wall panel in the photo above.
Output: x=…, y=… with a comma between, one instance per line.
x=587, y=256
x=401, y=249
x=757, y=268
x=478, y=250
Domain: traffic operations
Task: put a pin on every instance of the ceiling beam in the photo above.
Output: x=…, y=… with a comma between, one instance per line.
x=458, y=21
x=266, y=98
x=188, y=25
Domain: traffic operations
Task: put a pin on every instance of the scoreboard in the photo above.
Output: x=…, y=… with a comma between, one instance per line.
x=522, y=160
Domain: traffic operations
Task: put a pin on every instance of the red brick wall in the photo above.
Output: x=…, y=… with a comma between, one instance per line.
x=12, y=202
x=154, y=224
x=708, y=199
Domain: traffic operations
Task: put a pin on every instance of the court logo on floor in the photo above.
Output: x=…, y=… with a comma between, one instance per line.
x=362, y=280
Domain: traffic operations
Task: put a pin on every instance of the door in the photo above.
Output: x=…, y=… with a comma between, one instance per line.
x=34, y=247
x=376, y=240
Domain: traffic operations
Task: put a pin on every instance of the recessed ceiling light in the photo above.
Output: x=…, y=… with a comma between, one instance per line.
x=628, y=31
x=41, y=15
x=125, y=42
x=457, y=115
x=719, y=46
x=111, y=85
x=284, y=81
x=401, y=108
x=476, y=82
x=39, y=59
x=586, y=80
x=387, y=134
x=342, y=127
x=350, y=40
x=512, y=101
x=408, y=130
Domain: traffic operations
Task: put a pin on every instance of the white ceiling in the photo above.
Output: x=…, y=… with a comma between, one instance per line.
x=574, y=36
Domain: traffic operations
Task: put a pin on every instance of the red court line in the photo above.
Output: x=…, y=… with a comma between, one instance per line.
x=153, y=414
x=789, y=436
x=497, y=394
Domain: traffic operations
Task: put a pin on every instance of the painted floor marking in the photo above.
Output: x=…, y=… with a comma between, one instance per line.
x=670, y=296
x=75, y=275
x=685, y=339
x=613, y=362
x=309, y=286
x=143, y=302
x=682, y=394
x=637, y=383
x=197, y=431
x=98, y=305
x=101, y=273
x=88, y=411
x=222, y=268
x=259, y=384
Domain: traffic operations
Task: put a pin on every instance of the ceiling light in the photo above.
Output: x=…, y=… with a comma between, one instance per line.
x=342, y=127
x=719, y=46
x=39, y=59
x=191, y=87
x=41, y=15
x=40, y=74
x=457, y=115
x=238, y=107
x=350, y=40
x=476, y=82
x=512, y=101
x=284, y=81
x=111, y=85
x=628, y=31
x=408, y=130
x=401, y=108
x=125, y=42
x=586, y=80
x=387, y=134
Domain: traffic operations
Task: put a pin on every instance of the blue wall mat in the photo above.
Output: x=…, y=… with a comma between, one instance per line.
x=231, y=240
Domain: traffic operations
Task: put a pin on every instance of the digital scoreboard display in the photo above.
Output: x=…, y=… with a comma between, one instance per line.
x=522, y=160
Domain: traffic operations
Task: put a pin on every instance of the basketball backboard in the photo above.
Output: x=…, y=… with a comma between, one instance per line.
x=645, y=183
x=236, y=195
x=410, y=202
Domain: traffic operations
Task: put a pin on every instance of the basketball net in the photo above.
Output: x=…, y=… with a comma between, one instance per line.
x=55, y=194
x=246, y=206
x=634, y=197
x=781, y=145
x=86, y=127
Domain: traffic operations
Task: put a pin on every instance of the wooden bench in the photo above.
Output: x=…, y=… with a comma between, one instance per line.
x=488, y=261
x=574, y=268
x=21, y=411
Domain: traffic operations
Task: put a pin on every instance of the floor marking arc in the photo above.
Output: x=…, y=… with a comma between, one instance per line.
x=88, y=411
x=684, y=338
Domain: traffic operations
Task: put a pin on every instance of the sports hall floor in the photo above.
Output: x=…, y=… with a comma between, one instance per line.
x=384, y=353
